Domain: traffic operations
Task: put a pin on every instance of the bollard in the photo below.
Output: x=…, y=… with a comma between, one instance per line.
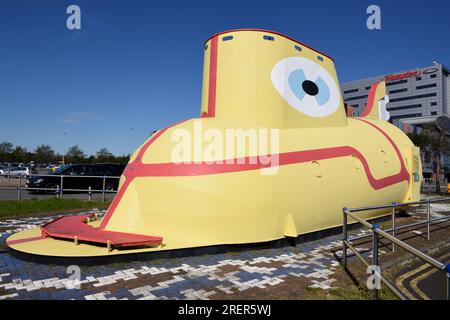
x=61, y=187
x=448, y=286
x=89, y=193
x=103, y=189
x=448, y=281
x=344, y=240
x=19, y=188
x=394, y=205
x=428, y=218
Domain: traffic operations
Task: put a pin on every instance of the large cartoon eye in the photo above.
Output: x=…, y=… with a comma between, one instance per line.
x=306, y=86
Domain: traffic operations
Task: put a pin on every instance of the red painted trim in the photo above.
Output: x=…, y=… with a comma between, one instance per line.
x=403, y=171
x=370, y=100
x=272, y=32
x=212, y=78
x=70, y=227
x=116, y=201
x=138, y=169
x=130, y=175
x=12, y=242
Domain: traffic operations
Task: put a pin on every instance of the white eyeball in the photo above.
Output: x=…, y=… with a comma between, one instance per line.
x=306, y=86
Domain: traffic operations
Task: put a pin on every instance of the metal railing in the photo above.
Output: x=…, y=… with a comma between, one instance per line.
x=428, y=186
x=59, y=189
x=389, y=234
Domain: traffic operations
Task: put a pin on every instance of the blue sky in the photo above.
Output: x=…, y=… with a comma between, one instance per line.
x=136, y=66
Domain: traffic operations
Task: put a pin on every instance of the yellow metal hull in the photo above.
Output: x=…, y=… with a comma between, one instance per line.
x=248, y=207
x=325, y=161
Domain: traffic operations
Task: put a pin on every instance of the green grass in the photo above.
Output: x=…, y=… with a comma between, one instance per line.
x=13, y=208
x=351, y=293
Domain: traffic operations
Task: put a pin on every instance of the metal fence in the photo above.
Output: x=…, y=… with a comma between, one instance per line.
x=389, y=234
x=429, y=186
x=60, y=189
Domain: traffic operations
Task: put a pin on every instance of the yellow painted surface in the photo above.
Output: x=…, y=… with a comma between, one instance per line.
x=254, y=90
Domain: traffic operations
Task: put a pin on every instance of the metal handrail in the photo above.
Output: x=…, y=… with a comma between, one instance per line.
x=60, y=187
x=377, y=231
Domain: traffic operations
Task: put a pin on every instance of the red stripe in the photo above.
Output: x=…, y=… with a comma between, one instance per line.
x=212, y=78
x=115, y=201
x=138, y=169
x=130, y=175
x=12, y=242
x=370, y=100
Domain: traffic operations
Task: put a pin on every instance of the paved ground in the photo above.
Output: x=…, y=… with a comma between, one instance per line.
x=422, y=281
x=279, y=273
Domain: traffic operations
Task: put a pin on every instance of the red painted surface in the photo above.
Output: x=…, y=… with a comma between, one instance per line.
x=12, y=242
x=139, y=169
x=129, y=175
x=370, y=100
x=271, y=32
x=75, y=226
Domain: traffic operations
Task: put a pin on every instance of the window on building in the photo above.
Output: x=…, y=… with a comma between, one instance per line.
x=412, y=106
x=414, y=115
x=433, y=76
x=351, y=90
x=434, y=103
x=426, y=86
x=398, y=90
x=419, y=96
x=393, y=83
x=356, y=98
x=418, y=78
x=433, y=113
x=368, y=88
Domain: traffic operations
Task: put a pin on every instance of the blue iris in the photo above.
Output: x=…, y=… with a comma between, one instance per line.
x=321, y=94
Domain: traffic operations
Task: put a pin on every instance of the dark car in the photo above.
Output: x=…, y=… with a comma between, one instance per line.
x=79, y=176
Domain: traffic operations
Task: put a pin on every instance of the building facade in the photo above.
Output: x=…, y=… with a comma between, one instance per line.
x=415, y=96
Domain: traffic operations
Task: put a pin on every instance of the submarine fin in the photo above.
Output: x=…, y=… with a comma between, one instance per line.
x=376, y=102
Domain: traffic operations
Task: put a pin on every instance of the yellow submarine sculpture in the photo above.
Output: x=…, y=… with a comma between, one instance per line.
x=252, y=80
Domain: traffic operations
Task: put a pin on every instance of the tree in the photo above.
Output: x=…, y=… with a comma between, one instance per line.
x=75, y=154
x=5, y=151
x=44, y=153
x=103, y=155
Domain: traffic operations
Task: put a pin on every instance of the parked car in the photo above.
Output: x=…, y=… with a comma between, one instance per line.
x=18, y=171
x=78, y=176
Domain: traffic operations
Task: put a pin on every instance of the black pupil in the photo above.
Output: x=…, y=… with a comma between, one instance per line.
x=310, y=87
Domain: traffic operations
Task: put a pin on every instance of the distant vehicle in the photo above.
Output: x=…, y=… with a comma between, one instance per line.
x=54, y=167
x=18, y=171
x=78, y=176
